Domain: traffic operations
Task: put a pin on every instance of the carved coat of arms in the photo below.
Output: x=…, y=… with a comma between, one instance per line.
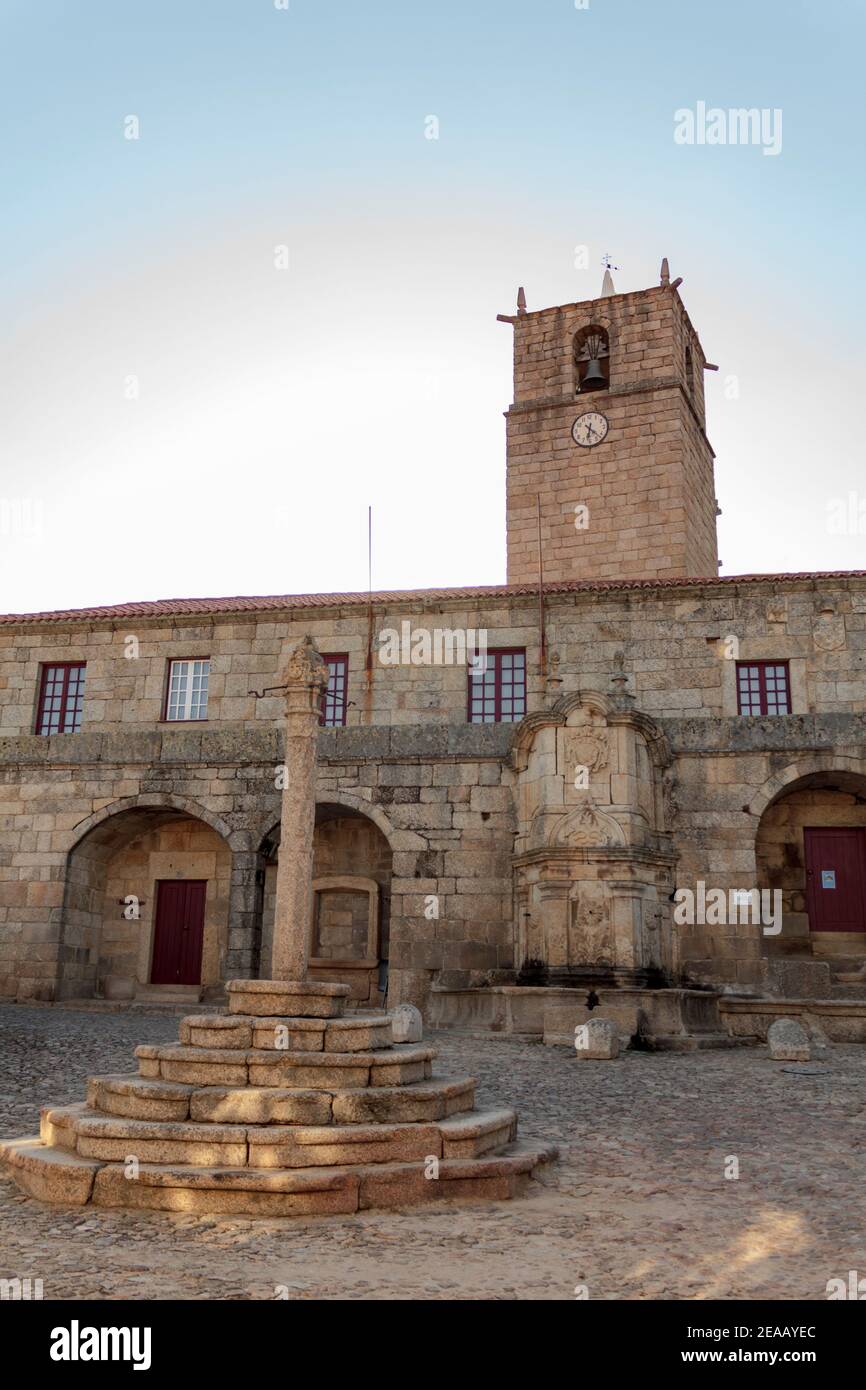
x=305, y=666
x=587, y=747
x=828, y=632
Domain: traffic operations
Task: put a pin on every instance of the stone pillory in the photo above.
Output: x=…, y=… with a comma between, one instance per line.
x=283, y=1106
x=305, y=678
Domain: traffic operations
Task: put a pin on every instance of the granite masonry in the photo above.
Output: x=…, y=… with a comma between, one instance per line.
x=485, y=840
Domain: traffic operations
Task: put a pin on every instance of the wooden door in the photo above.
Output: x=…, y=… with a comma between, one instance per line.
x=178, y=932
x=836, y=878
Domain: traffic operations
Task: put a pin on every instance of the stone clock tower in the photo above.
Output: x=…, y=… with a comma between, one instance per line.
x=607, y=430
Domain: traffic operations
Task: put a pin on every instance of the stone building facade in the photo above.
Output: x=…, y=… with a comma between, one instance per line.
x=544, y=846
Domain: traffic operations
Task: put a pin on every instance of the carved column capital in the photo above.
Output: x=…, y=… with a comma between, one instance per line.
x=304, y=677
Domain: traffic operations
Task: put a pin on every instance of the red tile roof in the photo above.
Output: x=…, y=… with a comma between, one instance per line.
x=281, y=603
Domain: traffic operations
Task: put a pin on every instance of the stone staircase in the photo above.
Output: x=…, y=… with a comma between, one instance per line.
x=284, y=1106
x=848, y=976
x=168, y=994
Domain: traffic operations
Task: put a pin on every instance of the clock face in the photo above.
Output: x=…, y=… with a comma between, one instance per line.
x=589, y=429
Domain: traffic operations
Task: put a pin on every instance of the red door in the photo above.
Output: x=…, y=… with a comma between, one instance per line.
x=178, y=932
x=836, y=879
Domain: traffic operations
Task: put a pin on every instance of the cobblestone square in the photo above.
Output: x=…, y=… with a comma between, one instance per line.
x=638, y=1206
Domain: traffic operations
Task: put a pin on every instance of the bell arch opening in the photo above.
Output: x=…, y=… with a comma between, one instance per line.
x=591, y=359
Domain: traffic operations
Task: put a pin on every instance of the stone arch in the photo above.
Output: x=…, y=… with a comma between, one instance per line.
x=116, y=860
x=159, y=800
x=408, y=838
x=807, y=766
x=824, y=796
x=350, y=931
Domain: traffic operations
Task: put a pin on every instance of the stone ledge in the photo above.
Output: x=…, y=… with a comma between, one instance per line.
x=256, y=748
x=51, y=1175
x=66, y=1179
x=311, y=1191
x=749, y=734
x=306, y=999
x=842, y=1020
x=286, y=1034
x=387, y=1066
x=130, y=1096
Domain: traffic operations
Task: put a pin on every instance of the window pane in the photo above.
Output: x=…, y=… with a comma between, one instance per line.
x=61, y=699
x=762, y=688
x=333, y=706
x=499, y=694
x=187, y=689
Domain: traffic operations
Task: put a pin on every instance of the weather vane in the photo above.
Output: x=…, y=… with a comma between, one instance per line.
x=607, y=262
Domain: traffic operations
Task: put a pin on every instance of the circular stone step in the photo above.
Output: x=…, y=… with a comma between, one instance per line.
x=160, y=1141
x=393, y=1066
x=312, y=1191
x=138, y=1099
x=342, y=1071
x=287, y=1034
x=305, y=1146
x=93, y=1135
x=428, y=1100
x=295, y=999
x=260, y=1106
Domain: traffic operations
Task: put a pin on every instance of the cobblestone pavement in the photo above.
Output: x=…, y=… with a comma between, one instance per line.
x=637, y=1208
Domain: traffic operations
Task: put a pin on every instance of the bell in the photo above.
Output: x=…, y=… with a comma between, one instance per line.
x=594, y=377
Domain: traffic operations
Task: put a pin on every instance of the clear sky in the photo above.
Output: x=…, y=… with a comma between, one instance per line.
x=274, y=404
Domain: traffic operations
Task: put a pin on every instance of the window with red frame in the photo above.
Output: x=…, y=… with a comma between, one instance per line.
x=497, y=686
x=763, y=687
x=61, y=696
x=332, y=712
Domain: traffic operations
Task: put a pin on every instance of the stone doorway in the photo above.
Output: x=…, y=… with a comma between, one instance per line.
x=835, y=878
x=110, y=916
x=178, y=934
x=806, y=827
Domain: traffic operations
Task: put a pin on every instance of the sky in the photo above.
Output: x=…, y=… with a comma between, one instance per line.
x=221, y=341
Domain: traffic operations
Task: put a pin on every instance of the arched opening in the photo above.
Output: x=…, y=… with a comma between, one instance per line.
x=591, y=359
x=146, y=906
x=811, y=846
x=690, y=371
x=350, y=930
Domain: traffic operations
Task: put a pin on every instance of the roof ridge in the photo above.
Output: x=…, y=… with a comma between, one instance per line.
x=252, y=603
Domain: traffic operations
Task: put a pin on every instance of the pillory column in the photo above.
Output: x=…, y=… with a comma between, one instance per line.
x=305, y=677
